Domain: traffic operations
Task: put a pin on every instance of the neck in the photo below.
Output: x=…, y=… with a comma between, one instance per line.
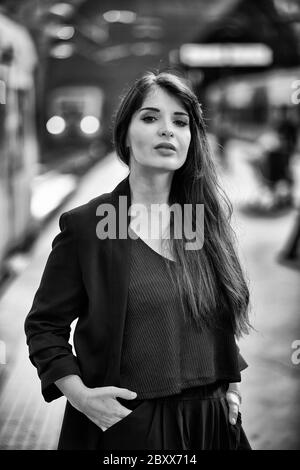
x=150, y=188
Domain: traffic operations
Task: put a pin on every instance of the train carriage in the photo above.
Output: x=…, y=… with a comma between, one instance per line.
x=18, y=142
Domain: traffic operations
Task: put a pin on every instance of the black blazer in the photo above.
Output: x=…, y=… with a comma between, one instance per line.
x=85, y=278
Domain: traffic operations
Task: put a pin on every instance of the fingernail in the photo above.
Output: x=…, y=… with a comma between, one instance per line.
x=133, y=394
x=232, y=421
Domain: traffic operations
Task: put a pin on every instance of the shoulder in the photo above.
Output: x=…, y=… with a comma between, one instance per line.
x=81, y=220
x=90, y=207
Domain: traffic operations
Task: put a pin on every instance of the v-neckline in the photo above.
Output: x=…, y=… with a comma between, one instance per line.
x=152, y=249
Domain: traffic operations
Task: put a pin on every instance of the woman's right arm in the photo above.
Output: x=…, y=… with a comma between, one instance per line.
x=57, y=303
x=98, y=404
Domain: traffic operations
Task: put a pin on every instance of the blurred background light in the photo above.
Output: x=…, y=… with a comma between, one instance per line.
x=240, y=94
x=66, y=32
x=112, y=16
x=287, y=7
x=59, y=31
x=62, y=51
x=62, y=9
x=89, y=125
x=119, y=16
x=229, y=54
x=56, y=125
x=128, y=16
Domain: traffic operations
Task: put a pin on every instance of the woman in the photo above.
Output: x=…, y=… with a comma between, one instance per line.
x=157, y=365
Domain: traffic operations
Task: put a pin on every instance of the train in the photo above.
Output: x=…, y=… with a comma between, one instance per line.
x=73, y=125
x=19, y=152
x=74, y=114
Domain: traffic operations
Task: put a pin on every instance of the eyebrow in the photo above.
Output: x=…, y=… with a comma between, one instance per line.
x=181, y=113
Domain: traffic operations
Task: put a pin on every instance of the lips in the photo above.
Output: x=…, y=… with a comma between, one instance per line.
x=165, y=145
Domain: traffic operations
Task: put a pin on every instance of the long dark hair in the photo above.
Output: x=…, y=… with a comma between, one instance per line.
x=211, y=282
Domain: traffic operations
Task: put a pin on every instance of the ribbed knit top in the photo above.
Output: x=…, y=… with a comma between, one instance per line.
x=162, y=353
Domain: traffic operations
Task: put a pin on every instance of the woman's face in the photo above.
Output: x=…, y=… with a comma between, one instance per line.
x=159, y=132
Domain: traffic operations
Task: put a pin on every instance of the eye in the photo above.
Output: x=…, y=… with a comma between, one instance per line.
x=181, y=123
x=149, y=118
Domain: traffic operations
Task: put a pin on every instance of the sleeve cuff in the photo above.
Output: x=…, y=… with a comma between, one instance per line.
x=60, y=368
x=242, y=363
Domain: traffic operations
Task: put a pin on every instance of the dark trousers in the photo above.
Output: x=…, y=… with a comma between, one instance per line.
x=195, y=419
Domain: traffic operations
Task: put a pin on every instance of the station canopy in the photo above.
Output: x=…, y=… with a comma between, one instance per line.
x=100, y=38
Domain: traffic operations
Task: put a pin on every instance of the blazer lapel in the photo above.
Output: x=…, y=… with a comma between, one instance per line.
x=119, y=273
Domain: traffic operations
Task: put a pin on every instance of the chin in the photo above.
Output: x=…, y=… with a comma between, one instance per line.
x=170, y=165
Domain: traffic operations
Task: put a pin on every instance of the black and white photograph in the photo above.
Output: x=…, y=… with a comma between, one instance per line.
x=150, y=228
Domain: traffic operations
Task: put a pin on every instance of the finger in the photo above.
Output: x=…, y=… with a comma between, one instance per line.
x=233, y=398
x=233, y=413
x=124, y=393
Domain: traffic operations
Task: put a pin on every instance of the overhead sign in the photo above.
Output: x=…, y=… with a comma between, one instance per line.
x=225, y=55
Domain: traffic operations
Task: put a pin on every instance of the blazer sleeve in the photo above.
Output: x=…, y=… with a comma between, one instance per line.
x=242, y=363
x=56, y=304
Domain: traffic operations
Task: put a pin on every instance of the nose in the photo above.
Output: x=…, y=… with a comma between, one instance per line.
x=166, y=133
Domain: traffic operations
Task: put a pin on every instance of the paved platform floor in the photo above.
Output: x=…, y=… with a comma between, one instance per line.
x=271, y=383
